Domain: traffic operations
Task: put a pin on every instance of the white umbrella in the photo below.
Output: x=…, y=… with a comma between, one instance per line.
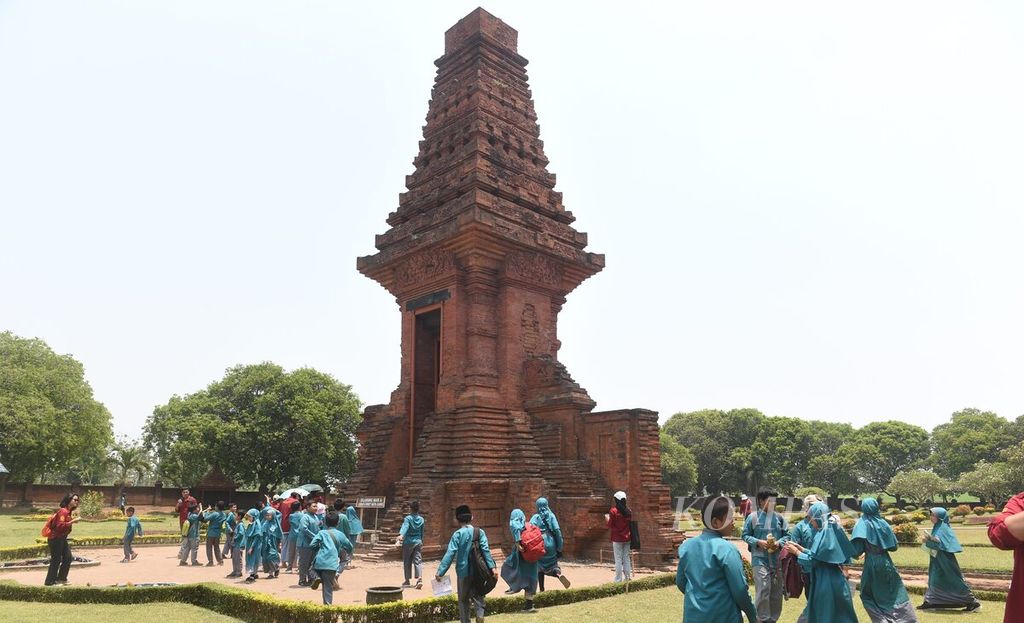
x=302, y=492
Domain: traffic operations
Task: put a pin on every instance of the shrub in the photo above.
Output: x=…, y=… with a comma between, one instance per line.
x=990, y=508
x=898, y=520
x=921, y=516
x=979, y=510
x=909, y=507
x=780, y=508
x=889, y=506
x=906, y=533
x=261, y=608
x=849, y=523
x=803, y=492
x=90, y=505
x=962, y=511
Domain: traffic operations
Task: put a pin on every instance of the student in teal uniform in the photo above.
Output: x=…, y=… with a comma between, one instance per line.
x=235, y=538
x=328, y=544
x=710, y=571
x=458, y=552
x=355, y=526
x=410, y=537
x=215, y=525
x=765, y=532
x=946, y=585
x=545, y=519
x=272, y=535
x=252, y=543
x=520, y=574
x=803, y=535
x=190, y=541
x=133, y=527
x=289, y=554
x=308, y=526
x=230, y=517
x=881, y=587
x=828, y=597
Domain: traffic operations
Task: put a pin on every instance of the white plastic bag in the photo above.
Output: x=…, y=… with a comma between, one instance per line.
x=442, y=588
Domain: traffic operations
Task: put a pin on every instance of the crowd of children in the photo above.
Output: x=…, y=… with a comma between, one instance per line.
x=710, y=570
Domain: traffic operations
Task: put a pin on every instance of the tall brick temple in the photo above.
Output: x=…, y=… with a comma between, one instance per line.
x=480, y=257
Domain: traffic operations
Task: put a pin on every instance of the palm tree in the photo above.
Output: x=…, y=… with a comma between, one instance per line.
x=127, y=457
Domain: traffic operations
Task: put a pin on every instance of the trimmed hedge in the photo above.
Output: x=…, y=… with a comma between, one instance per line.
x=118, y=517
x=109, y=541
x=262, y=608
x=19, y=553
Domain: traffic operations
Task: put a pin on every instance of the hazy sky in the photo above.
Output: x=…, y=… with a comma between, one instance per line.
x=810, y=208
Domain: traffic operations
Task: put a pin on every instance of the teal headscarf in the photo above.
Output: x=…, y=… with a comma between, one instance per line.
x=354, y=525
x=544, y=518
x=255, y=527
x=517, y=523
x=872, y=528
x=830, y=542
x=943, y=532
x=271, y=526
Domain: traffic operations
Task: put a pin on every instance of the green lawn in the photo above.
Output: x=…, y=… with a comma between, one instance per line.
x=666, y=604
x=660, y=605
x=971, y=559
x=21, y=533
x=24, y=612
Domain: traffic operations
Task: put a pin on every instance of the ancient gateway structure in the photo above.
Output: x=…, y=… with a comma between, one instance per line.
x=480, y=257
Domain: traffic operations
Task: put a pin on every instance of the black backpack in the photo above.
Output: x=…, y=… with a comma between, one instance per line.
x=479, y=571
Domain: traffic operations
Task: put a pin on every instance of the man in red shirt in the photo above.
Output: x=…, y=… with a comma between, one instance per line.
x=746, y=506
x=287, y=544
x=1007, y=532
x=184, y=502
x=60, y=552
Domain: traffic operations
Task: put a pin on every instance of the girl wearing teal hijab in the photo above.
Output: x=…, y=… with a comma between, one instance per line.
x=272, y=535
x=520, y=574
x=548, y=524
x=354, y=525
x=881, y=587
x=946, y=585
x=252, y=543
x=828, y=596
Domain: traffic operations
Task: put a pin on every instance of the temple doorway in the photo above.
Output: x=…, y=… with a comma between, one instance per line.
x=426, y=371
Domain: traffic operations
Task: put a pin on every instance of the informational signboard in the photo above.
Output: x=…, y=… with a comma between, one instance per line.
x=377, y=504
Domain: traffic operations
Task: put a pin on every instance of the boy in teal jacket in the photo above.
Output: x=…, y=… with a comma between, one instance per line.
x=133, y=527
x=190, y=542
x=215, y=521
x=410, y=537
x=710, y=571
x=458, y=550
x=307, y=526
x=329, y=543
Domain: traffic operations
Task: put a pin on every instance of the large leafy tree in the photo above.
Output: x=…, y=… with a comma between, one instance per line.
x=678, y=467
x=971, y=435
x=885, y=449
x=988, y=481
x=262, y=426
x=782, y=444
x=836, y=472
x=918, y=485
x=49, y=419
x=720, y=442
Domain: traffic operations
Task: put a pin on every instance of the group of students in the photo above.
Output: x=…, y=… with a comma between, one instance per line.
x=710, y=571
x=522, y=572
x=300, y=536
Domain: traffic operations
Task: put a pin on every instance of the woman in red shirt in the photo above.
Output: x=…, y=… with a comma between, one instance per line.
x=60, y=551
x=1007, y=532
x=617, y=520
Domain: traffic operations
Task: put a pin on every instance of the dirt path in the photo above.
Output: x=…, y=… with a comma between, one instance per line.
x=160, y=564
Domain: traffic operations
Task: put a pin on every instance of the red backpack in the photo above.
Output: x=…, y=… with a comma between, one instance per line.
x=533, y=543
